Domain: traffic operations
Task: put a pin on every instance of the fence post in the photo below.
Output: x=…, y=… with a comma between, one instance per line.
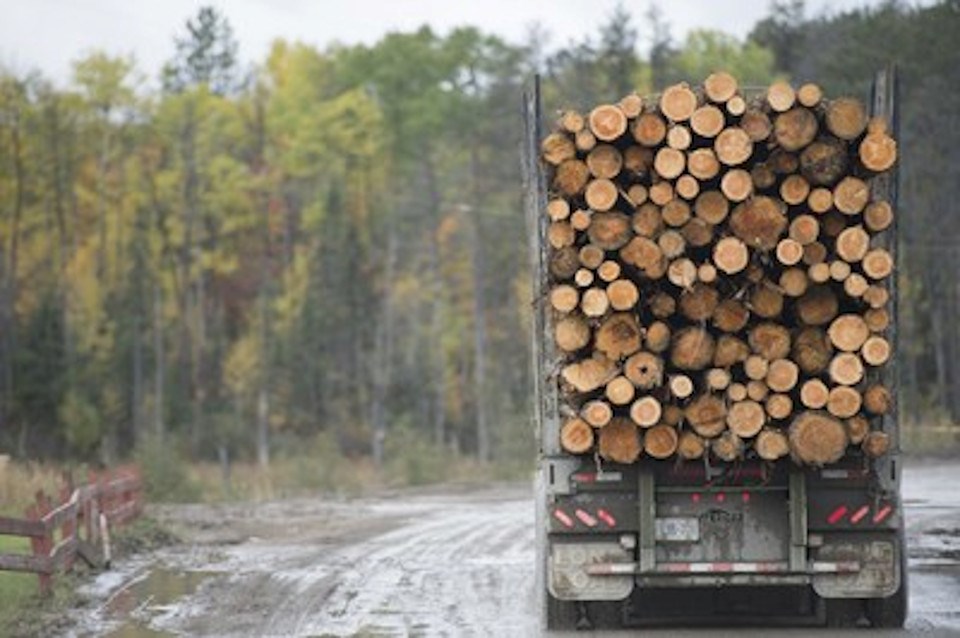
x=41, y=545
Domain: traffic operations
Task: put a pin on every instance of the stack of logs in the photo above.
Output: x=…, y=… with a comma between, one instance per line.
x=717, y=279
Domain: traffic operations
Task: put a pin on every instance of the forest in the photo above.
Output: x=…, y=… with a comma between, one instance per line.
x=233, y=260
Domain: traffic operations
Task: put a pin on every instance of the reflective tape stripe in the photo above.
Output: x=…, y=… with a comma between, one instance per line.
x=882, y=513
x=585, y=518
x=563, y=517
x=857, y=516
x=606, y=517
x=723, y=568
x=837, y=515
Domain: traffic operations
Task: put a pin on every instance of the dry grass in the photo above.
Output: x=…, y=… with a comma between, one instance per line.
x=19, y=483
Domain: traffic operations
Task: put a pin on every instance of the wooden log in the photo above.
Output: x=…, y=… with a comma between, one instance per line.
x=812, y=351
x=857, y=429
x=662, y=305
x=878, y=319
x=781, y=96
x=647, y=221
x=601, y=194
x=706, y=415
x=824, y=161
x=604, y=161
x=608, y=270
x=770, y=340
x=571, y=333
x=576, y=436
x=580, y=219
x=876, y=444
x=583, y=278
x=816, y=438
x=646, y=411
x=794, y=282
x=620, y=391
x=590, y=256
x=795, y=129
x=720, y=87
x=766, y=300
x=783, y=162
x=877, y=400
x=557, y=148
x=672, y=414
x=855, y=285
x=649, y=129
x=669, y=162
x=736, y=106
x=597, y=413
x=706, y=272
x=571, y=177
x=623, y=294
x=637, y=195
x=657, y=337
x=820, y=200
x=878, y=151
x=642, y=253
x=771, y=444
x=876, y=296
x=560, y=234
x=703, y=163
x=594, y=302
x=778, y=406
x=607, y=122
x=852, y=244
x=681, y=386
x=846, y=118
x=660, y=441
x=718, y=379
x=707, y=121
x=679, y=137
x=759, y=222
x=712, y=207
x=846, y=368
x=678, y=102
x=682, y=273
x=692, y=349
x=782, y=375
x=730, y=350
x=690, y=446
x=844, y=401
x=818, y=306
x=620, y=441
x=585, y=140
x=794, y=190
x=697, y=233
x=815, y=253
x=733, y=146
x=699, y=302
x=727, y=447
x=558, y=209
x=687, y=187
x=840, y=270
x=564, y=298
x=589, y=374
x=789, y=252
x=756, y=367
x=832, y=224
x=878, y=216
x=631, y=105
x=618, y=335
x=814, y=394
x=757, y=125
x=737, y=391
x=755, y=273
x=730, y=315
x=851, y=195
x=762, y=176
x=757, y=390
x=637, y=161
x=737, y=185
x=877, y=264
x=848, y=332
x=876, y=351
x=730, y=255
x=644, y=370
x=809, y=95
x=676, y=213
x=804, y=229
x=571, y=121
x=746, y=418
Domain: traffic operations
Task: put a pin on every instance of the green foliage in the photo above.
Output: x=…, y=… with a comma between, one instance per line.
x=412, y=458
x=164, y=474
x=206, y=54
x=705, y=51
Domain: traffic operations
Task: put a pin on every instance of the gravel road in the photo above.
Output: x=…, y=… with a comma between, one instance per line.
x=451, y=563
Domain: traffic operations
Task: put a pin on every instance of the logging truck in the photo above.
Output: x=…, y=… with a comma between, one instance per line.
x=714, y=337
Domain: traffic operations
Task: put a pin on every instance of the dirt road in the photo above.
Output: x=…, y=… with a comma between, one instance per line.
x=440, y=564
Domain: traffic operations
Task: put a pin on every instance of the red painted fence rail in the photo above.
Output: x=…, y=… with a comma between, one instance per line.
x=84, y=517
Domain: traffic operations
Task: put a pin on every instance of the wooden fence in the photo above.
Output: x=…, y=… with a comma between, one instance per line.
x=78, y=523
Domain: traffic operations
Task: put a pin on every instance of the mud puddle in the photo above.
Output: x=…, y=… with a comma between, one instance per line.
x=137, y=605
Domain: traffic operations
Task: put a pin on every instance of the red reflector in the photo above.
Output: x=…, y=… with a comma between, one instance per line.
x=585, y=518
x=746, y=497
x=695, y=497
x=606, y=517
x=562, y=516
x=882, y=513
x=585, y=477
x=837, y=514
x=721, y=497
x=857, y=516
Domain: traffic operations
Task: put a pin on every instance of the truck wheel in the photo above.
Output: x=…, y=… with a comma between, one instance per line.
x=892, y=611
x=562, y=615
x=843, y=612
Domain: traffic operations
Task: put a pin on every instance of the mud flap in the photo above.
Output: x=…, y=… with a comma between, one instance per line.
x=567, y=577
x=879, y=573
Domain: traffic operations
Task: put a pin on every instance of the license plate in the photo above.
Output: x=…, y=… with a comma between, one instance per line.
x=677, y=529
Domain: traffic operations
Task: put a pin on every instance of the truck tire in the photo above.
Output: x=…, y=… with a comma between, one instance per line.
x=562, y=615
x=891, y=612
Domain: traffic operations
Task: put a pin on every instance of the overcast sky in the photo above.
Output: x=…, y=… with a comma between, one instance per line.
x=49, y=34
